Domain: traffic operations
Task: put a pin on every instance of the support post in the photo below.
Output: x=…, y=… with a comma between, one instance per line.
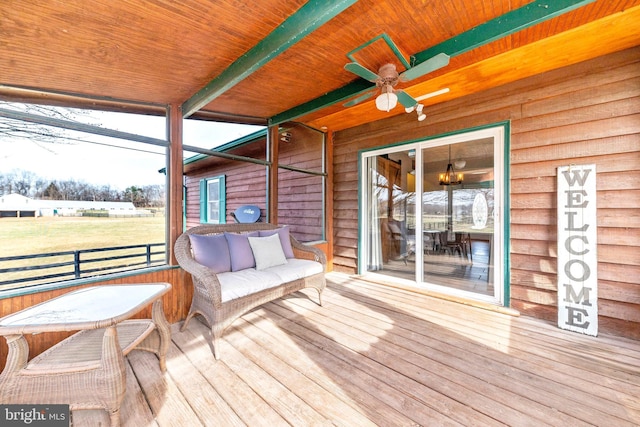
x=272, y=174
x=175, y=179
x=328, y=226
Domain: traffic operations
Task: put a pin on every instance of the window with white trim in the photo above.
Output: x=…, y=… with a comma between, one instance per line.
x=212, y=200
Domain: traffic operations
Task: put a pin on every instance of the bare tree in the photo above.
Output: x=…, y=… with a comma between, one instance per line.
x=23, y=181
x=41, y=135
x=154, y=195
x=6, y=182
x=28, y=184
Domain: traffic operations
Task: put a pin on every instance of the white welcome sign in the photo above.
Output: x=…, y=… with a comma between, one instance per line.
x=577, y=256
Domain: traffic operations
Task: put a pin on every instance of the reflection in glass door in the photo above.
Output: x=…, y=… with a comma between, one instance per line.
x=457, y=216
x=459, y=249
x=391, y=214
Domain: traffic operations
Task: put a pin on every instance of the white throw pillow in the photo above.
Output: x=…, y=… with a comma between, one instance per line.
x=267, y=251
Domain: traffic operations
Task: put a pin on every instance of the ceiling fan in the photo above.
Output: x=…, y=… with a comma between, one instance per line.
x=388, y=77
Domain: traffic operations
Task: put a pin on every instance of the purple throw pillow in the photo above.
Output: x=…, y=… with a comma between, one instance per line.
x=285, y=241
x=211, y=251
x=240, y=250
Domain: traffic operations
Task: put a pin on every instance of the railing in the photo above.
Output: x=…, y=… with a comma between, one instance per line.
x=30, y=270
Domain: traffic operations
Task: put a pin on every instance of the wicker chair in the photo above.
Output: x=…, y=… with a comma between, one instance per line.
x=86, y=370
x=207, y=294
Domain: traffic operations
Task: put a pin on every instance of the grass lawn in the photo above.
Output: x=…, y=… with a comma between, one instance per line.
x=27, y=236
x=31, y=236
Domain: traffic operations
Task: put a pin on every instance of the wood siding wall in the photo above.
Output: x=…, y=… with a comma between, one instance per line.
x=176, y=305
x=245, y=185
x=582, y=114
x=299, y=195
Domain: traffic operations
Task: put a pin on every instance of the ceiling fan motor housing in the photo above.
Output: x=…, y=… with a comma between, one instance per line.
x=387, y=75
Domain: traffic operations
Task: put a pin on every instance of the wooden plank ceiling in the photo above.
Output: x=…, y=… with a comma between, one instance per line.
x=283, y=60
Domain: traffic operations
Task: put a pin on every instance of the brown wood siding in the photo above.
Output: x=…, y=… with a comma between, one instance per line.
x=176, y=305
x=300, y=204
x=582, y=114
x=245, y=185
x=299, y=195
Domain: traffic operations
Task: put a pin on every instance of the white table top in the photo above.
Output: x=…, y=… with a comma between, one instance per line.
x=88, y=308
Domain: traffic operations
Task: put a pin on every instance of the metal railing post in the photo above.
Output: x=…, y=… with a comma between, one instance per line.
x=76, y=263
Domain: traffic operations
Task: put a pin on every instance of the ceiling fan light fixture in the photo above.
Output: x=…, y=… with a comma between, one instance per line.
x=388, y=77
x=387, y=100
x=421, y=115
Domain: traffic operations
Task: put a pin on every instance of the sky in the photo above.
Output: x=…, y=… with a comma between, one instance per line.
x=98, y=163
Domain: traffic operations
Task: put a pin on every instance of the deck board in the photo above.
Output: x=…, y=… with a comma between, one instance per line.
x=464, y=380
x=196, y=388
x=294, y=379
x=168, y=404
x=540, y=354
x=367, y=353
x=248, y=406
x=328, y=371
x=378, y=355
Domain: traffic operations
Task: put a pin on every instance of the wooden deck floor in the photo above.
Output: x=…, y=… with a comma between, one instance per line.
x=375, y=355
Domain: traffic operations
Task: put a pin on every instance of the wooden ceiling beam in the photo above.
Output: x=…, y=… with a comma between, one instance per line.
x=502, y=26
x=492, y=30
x=307, y=19
x=29, y=95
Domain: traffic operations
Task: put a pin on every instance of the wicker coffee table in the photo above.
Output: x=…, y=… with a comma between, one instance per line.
x=87, y=369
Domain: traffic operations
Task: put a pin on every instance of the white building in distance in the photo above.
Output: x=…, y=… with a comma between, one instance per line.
x=16, y=206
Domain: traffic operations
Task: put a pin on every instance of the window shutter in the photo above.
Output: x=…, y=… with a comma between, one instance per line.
x=223, y=200
x=203, y=201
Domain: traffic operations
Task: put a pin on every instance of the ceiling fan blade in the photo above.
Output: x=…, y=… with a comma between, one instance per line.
x=359, y=99
x=432, y=94
x=361, y=71
x=426, y=67
x=405, y=99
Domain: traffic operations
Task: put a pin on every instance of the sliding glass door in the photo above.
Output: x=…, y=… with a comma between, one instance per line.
x=432, y=214
x=390, y=213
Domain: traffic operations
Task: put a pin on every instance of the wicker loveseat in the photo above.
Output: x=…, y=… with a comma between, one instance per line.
x=223, y=296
